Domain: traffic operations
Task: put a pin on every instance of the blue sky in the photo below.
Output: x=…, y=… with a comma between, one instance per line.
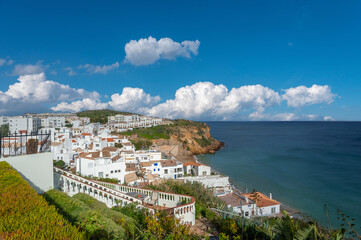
x=277, y=45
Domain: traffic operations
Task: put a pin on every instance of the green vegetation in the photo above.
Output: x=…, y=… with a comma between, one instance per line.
x=204, y=197
x=68, y=125
x=156, y=132
x=26, y=215
x=100, y=116
x=89, y=215
x=158, y=226
x=4, y=130
x=60, y=164
x=129, y=222
x=141, y=144
x=228, y=227
x=203, y=142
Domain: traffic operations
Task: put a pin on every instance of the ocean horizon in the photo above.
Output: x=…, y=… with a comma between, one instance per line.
x=305, y=165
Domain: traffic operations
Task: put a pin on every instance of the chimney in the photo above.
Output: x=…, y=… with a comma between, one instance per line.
x=247, y=201
x=270, y=195
x=100, y=154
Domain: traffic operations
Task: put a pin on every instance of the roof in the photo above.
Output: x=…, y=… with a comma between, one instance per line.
x=110, y=149
x=233, y=200
x=128, y=178
x=130, y=167
x=116, y=158
x=263, y=200
x=168, y=163
x=192, y=163
x=86, y=134
x=54, y=144
x=145, y=164
x=93, y=155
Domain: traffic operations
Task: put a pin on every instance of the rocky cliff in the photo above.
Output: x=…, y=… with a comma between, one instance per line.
x=189, y=137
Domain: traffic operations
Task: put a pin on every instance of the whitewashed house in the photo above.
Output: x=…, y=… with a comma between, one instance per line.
x=196, y=169
x=103, y=164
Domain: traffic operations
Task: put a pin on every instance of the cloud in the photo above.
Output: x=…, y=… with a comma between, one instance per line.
x=328, y=118
x=146, y=51
x=76, y=106
x=4, y=61
x=93, y=69
x=132, y=100
x=302, y=95
x=256, y=116
x=206, y=100
x=70, y=71
x=26, y=69
x=34, y=92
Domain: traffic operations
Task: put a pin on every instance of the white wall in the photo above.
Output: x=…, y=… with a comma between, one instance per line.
x=36, y=169
x=209, y=181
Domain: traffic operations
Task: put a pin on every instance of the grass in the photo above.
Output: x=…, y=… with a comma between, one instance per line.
x=26, y=215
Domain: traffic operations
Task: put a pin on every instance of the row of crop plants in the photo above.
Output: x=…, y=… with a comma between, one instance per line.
x=26, y=215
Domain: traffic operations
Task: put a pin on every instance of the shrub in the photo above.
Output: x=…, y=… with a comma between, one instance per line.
x=26, y=215
x=92, y=221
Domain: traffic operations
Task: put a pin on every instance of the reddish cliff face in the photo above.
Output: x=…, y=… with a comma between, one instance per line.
x=185, y=137
x=192, y=138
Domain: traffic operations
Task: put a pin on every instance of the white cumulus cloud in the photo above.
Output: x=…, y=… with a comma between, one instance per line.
x=146, y=51
x=204, y=99
x=77, y=106
x=302, y=95
x=132, y=100
x=94, y=69
x=34, y=92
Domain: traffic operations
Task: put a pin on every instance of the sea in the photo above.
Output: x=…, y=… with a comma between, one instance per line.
x=314, y=167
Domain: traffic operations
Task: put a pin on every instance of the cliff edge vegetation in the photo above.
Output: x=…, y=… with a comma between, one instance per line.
x=185, y=138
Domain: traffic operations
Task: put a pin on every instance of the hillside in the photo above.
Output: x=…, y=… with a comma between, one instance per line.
x=100, y=116
x=188, y=137
x=26, y=215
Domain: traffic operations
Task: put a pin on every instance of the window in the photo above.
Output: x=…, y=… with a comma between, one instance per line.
x=165, y=171
x=273, y=210
x=111, y=171
x=204, y=173
x=246, y=214
x=158, y=169
x=155, y=164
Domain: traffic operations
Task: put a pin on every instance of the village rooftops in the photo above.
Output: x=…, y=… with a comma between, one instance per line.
x=234, y=200
x=262, y=200
x=192, y=163
x=169, y=163
x=110, y=149
x=86, y=134
x=130, y=167
x=94, y=155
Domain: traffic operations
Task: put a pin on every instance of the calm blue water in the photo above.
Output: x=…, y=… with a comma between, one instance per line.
x=303, y=164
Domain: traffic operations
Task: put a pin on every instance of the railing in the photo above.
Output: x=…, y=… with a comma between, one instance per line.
x=14, y=144
x=95, y=186
x=181, y=206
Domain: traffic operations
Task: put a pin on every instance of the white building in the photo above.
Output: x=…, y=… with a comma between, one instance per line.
x=196, y=169
x=103, y=164
x=169, y=168
x=24, y=124
x=265, y=206
x=53, y=122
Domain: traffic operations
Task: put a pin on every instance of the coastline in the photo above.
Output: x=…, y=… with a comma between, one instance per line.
x=293, y=212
